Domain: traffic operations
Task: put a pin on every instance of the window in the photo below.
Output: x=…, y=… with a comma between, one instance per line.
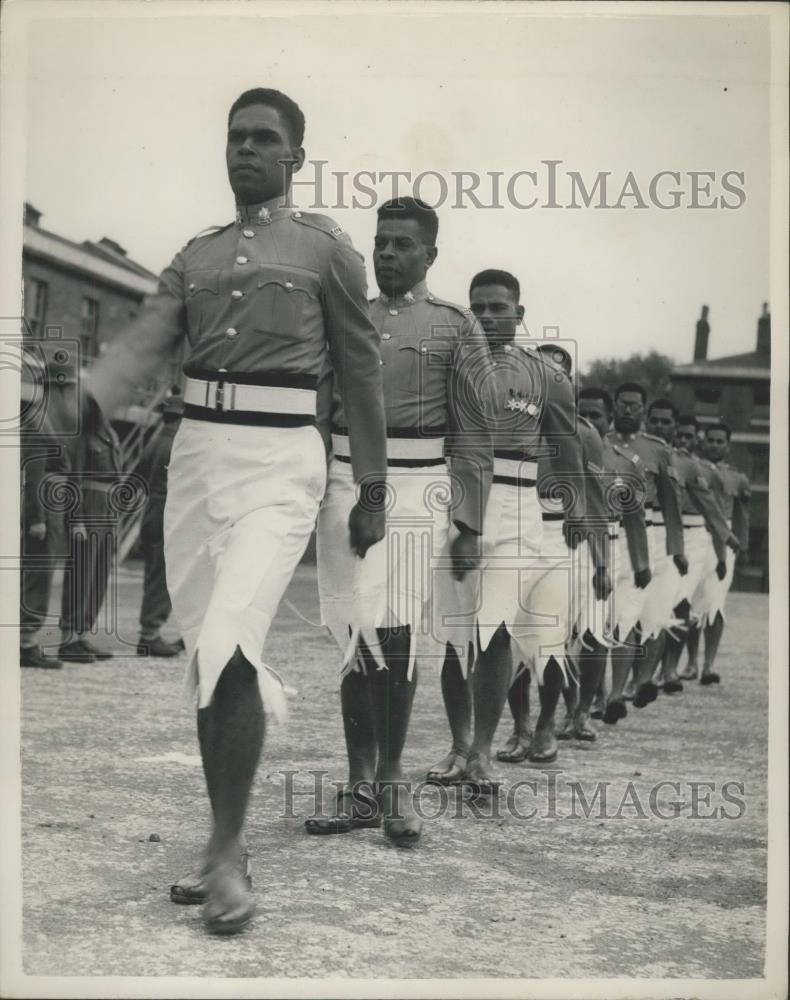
x=759, y=474
x=35, y=305
x=708, y=399
x=90, y=329
x=761, y=412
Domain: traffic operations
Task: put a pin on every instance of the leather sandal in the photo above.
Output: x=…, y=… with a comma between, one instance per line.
x=450, y=770
x=646, y=693
x=710, y=678
x=192, y=890
x=400, y=830
x=614, y=711
x=356, y=810
x=516, y=749
x=224, y=914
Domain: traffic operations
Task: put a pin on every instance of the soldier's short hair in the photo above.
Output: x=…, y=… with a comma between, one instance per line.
x=597, y=392
x=558, y=355
x=289, y=110
x=664, y=404
x=493, y=276
x=688, y=420
x=719, y=426
x=630, y=387
x=413, y=208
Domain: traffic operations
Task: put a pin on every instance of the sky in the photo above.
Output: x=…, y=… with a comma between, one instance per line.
x=127, y=116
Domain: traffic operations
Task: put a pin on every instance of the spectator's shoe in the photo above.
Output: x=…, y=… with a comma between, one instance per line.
x=31, y=656
x=76, y=652
x=96, y=651
x=158, y=647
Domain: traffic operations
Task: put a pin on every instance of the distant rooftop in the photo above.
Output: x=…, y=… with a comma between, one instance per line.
x=103, y=259
x=750, y=364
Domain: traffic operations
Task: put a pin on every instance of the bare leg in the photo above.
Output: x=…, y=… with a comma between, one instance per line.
x=490, y=680
x=592, y=664
x=360, y=732
x=713, y=633
x=457, y=697
x=544, y=743
x=644, y=667
x=231, y=739
x=392, y=696
x=692, y=645
x=518, y=699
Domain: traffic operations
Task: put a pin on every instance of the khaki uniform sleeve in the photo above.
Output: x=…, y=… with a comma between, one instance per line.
x=596, y=512
x=669, y=502
x=148, y=341
x=356, y=360
x=709, y=505
x=469, y=444
x=636, y=536
x=559, y=431
x=740, y=513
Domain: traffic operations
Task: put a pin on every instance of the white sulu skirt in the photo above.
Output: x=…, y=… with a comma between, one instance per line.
x=241, y=504
x=471, y=610
x=710, y=595
x=661, y=592
x=392, y=585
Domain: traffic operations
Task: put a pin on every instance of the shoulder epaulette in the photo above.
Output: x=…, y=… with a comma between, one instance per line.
x=584, y=421
x=320, y=222
x=210, y=231
x=653, y=437
x=436, y=301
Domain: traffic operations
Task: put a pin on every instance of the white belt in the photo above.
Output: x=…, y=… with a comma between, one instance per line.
x=510, y=468
x=428, y=449
x=250, y=398
x=693, y=521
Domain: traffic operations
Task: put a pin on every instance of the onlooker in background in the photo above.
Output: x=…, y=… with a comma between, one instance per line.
x=156, y=606
x=42, y=456
x=92, y=530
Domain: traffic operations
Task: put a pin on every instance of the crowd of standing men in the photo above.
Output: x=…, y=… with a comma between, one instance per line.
x=470, y=512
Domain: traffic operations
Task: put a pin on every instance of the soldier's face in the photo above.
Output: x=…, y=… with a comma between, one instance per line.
x=259, y=154
x=595, y=411
x=686, y=437
x=400, y=258
x=661, y=423
x=497, y=312
x=716, y=445
x=628, y=411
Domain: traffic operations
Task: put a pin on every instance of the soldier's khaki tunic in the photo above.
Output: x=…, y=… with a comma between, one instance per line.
x=731, y=487
x=665, y=527
x=266, y=305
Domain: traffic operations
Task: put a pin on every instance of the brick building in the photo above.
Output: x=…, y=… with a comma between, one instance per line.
x=83, y=293
x=736, y=389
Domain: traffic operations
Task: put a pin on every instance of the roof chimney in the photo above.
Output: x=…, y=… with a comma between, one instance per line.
x=32, y=215
x=764, y=333
x=109, y=244
x=701, y=338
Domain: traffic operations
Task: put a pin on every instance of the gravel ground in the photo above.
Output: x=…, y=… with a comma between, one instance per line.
x=114, y=809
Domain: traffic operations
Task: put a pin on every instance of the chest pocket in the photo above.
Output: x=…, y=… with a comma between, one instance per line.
x=282, y=297
x=202, y=290
x=422, y=369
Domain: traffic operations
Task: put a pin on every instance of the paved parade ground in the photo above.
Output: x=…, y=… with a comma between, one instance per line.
x=114, y=810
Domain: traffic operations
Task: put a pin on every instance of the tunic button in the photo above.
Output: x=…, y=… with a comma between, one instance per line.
x=289, y=284
x=508, y=348
x=424, y=350
x=191, y=286
x=236, y=294
x=297, y=215
x=249, y=233
x=231, y=332
x=386, y=336
x=393, y=312
x=242, y=260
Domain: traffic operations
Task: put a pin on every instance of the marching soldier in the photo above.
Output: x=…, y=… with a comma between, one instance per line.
x=705, y=529
x=650, y=608
x=263, y=302
x=532, y=398
x=435, y=365
x=625, y=496
x=712, y=591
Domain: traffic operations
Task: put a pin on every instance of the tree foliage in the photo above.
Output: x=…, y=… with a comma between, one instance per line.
x=653, y=371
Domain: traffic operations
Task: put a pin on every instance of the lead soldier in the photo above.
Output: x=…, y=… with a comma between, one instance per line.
x=263, y=303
